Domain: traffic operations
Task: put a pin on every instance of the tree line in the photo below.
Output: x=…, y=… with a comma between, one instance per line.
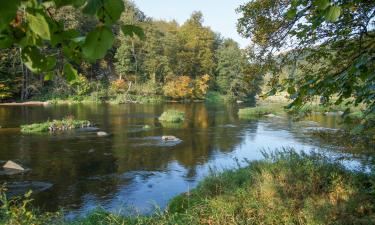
x=179, y=62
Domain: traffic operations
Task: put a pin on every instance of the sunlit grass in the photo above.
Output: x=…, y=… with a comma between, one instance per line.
x=254, y=112
x=172, y=116
x=55, y=125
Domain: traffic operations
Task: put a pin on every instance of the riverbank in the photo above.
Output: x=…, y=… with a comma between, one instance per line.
x=284, y=188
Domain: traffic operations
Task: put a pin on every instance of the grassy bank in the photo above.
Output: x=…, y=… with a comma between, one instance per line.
x=55, y=125
x=285, y=188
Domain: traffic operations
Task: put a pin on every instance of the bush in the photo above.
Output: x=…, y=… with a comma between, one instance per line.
x=181, y=87
x=201, y=86
x=118, y=86
x=172, y=116
x=81, y=86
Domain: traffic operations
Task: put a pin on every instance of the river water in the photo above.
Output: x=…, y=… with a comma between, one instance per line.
x=132, y=169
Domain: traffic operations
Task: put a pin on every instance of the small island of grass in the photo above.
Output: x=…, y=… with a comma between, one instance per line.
x=55, y=125
x=253, y=112
x=172, y=116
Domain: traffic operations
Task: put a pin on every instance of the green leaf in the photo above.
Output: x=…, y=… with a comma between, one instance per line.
x=111, y=11
x=38, y=24
x=131, y=30
x=333, y=13
x=97, y=43
x=291, y=13
x=322, y=4
x=48, y=76
x=35, y=61
x=92, y=7
x=8, y=10
x=70, y=73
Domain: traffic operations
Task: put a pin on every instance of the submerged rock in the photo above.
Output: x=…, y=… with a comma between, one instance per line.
x=170, y=138
x=102, y=134
x=157, y=141
x=12, y=165
x=21, y=187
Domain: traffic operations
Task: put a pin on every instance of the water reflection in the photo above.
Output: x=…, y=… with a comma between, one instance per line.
x=126, y=168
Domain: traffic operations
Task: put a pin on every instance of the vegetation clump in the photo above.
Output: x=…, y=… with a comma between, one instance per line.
x=252, y=112
x=172, y=116
x=55, y=125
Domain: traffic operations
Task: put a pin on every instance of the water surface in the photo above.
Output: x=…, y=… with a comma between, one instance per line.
x=132, y=168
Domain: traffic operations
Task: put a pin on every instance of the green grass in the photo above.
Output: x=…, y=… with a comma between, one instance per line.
x=254, y=112
x=284, y=188
x=172, y=116
x=55, y=125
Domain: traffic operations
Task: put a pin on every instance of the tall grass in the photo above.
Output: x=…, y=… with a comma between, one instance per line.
x=172, y=116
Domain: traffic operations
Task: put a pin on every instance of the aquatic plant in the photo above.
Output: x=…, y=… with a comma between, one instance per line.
x=55, y=125
x=172, y=116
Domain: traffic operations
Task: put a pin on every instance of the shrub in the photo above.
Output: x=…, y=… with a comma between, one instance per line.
x=172, y=116
x=81, y=86
x=201, y=86
x=181, y=87
x=118, y=86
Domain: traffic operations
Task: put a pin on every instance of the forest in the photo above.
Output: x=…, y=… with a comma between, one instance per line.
x=163, y=60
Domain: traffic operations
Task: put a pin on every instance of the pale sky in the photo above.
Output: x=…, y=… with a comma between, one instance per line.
x=220, y=15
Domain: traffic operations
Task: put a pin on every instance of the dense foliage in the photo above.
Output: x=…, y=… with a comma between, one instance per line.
x=78, y=51
x=327, y=48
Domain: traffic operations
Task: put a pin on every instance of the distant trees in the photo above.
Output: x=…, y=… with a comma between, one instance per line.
x=150, y=58
x=179, y=57
x=234, y=77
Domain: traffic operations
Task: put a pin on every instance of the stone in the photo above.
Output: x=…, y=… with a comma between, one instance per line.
x=169, y=138
x=102, y=134
x=12, y=165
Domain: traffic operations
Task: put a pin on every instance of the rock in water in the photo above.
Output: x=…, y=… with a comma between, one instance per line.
x=169, y=138
x=102, y=134
x=12, y=165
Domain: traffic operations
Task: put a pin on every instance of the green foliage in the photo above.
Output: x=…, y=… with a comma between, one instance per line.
x=234, y=78
x=97, y=43
x=254, y=112
x=35, y=25
x=172, y=116
x=55, y=125
x=18, y=211
x=330, y=54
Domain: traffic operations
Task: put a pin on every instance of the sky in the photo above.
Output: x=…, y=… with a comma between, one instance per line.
x=220, y=15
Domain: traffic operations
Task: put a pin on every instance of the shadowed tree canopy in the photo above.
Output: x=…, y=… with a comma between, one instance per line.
x=327, y=45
